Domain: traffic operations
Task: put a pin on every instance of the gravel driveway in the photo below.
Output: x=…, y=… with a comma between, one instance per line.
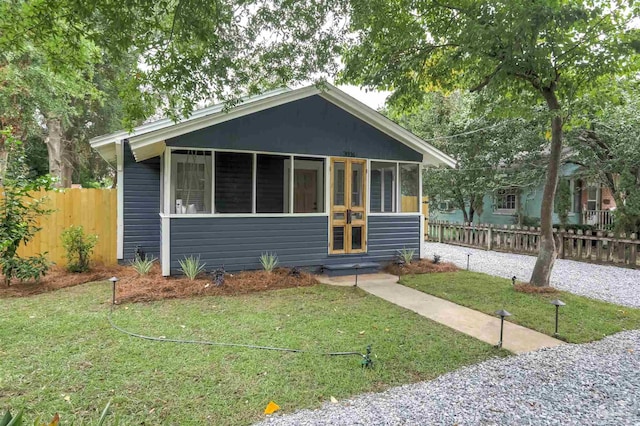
x=591, y=384
x=609, y=283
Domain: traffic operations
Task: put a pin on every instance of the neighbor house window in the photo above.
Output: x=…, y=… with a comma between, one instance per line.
x=383, y=187
x=191, y=182
x=410, y=187
x=506, y=200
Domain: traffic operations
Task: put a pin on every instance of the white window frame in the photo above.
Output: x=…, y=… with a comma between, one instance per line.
x=506, y=192
x=175, y=159
x=169, y=195
x=397, y=197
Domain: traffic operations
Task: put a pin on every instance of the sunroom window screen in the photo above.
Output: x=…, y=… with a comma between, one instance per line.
x=234, y=182
x=191, y=182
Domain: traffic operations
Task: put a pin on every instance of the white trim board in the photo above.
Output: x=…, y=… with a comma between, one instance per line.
x=148, y=140
x=119, y=149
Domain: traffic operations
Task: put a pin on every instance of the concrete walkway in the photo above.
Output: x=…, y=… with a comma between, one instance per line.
x=517, y=339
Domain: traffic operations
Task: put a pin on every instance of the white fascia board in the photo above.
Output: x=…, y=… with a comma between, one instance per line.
x=191, y=125
x=387, y=126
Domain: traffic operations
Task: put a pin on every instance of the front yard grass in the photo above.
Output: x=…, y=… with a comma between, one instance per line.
x=581, y=320
x=59, y=354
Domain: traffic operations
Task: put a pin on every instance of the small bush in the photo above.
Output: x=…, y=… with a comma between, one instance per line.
x=191, y=266
x=406, y=255
x=436, y=259
x=268, y=261
x=218, y=276
x=79, y=247
x=25, y=269
x=142, y=266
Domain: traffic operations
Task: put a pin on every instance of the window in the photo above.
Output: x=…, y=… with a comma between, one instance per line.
x=593, y=193
x=272, y=184
x=191, y=182
x=383, y=187
x=244, y=183
x=506, y=200
x=409, y=187
x=444, y=206
x=234, y=182
x=308, y=185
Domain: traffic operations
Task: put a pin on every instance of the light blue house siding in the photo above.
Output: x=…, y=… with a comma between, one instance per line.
x=530, y=202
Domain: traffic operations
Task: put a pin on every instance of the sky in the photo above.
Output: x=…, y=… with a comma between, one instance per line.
x=373, y=99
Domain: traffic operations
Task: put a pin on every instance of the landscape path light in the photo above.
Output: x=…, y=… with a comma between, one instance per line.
x=557, y=303
x=502, y=313
x=468, y=255
x=113, y=280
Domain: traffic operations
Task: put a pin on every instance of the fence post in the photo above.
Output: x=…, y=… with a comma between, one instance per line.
x=489, y=237
x=561, y=243
x=440, y=232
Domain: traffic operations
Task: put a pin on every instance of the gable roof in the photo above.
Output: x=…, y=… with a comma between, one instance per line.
x=148, y=140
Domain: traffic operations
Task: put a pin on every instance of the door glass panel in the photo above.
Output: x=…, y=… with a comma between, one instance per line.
x=338, y=238
x=338, y=216
x=356, y=238
x=357, y=216
x=338, y=184
x=357, y=171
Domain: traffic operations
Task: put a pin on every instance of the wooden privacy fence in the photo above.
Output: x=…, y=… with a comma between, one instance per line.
x=600, y=246
x=93, y=209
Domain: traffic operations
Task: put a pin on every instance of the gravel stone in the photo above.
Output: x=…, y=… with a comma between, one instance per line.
x=590, y=384
x=609, y=283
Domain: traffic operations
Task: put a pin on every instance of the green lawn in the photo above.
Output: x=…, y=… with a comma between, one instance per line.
x=582, y=320
x=59, y=354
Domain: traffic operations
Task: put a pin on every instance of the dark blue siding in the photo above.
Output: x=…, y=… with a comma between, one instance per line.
x=388, y=234
x=237, y=243
x=141, y=205
x=311, y=126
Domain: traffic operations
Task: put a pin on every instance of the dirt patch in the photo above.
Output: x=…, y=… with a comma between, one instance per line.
x=156, y=287
x=422, y=266
x=58, y=278
x=532, y=289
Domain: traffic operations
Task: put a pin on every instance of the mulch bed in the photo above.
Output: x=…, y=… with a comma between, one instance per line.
x=58, y=278
x=132, y=287
x=422, y=266
x=155, y=287
x=532, y=289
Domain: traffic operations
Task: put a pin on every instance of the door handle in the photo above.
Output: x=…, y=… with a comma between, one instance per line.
x=348, y=216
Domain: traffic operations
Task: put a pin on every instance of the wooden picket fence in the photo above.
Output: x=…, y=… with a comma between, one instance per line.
x=589, y=246
x=93, y=209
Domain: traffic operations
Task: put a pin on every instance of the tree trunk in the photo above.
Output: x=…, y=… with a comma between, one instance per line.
x=547, y=255
x=58, y=166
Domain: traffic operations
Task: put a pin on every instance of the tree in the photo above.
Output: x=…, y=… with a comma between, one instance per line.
x=490, y=153
x=526, y=52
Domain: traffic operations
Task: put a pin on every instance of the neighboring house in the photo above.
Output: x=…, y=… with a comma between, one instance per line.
x=313, y=176
x=590, y=204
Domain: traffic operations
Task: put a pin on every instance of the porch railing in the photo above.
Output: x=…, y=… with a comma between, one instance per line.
x=601, y=219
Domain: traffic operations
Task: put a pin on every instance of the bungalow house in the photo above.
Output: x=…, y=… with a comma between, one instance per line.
x=591, y=204
x=311, y=175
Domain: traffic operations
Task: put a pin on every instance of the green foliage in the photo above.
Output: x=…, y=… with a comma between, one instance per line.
x=406, y=255
x=191, y=266
x=490, y=153
x=563, y=201
x=268, y=261
x=78, y=247
x=143, y=266
x=17, y=420
x=19, y=212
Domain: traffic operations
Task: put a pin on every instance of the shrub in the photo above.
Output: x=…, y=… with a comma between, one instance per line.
x=24, y=269
x=268, y=261
x=436, y=259
x=191, y=266
x=79, y=247
x=19, y=210
x=406, y=255
x=142, y=266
